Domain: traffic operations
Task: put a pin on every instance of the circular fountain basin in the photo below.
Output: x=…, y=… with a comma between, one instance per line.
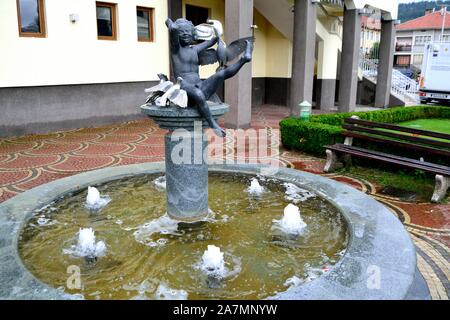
x=379, y=261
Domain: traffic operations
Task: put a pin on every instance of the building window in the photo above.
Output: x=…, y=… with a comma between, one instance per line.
x=445, y=38
x=417, y=60
x=197, y=15
x=403, y=44
x=106, y=21
x=145, y=24
x=402, y=60
x=30, y=15
x=422, y=40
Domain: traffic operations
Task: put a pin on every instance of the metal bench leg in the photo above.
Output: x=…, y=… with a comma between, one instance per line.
x=332, y=162
x=440, y=191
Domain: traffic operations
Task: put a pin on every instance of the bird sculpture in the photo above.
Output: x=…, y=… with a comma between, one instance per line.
x=158, y=90
x=174, y=95
x=224, y=53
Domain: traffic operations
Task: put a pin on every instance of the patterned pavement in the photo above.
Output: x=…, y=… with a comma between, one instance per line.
x=29, y=161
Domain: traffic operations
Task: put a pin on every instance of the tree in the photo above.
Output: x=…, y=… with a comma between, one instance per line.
x=413, y=10
x=375, y=51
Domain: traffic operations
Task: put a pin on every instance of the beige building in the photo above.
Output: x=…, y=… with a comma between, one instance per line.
x=413, y=35
x=370, y=35
x=71, y=63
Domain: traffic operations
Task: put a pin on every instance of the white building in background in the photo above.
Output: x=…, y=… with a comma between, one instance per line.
x=411, y=37
x=370, y=34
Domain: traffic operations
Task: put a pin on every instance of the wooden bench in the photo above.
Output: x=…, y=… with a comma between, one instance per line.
x=422, y=143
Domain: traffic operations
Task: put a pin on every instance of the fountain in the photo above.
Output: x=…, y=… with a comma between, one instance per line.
x=87, y=247
x=255, y=188
x=292, y=223
x=94, y=201
x=213, y=263
x=158, y=241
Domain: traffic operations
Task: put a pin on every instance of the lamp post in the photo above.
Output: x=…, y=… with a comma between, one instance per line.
x=305, y=110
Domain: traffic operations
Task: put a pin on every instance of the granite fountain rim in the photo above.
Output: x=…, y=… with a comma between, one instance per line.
x=378, y=242
x=172, y=111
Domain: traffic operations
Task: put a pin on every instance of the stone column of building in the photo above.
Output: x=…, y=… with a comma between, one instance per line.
x=238, y=90
x=385, y=64
x=175, y=9
x=303, y=55
x=326, y=75
x=348, y=84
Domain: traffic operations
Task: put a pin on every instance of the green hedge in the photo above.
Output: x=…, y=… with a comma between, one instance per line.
x=322, y=130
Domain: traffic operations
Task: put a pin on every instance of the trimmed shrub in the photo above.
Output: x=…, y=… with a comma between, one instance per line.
x=309, y=136
x=323, y=130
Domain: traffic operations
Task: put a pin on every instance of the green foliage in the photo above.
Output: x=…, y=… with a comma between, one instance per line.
x=416, y=182
x=374, y=51
x=413, y=10
x=323, y=130
x=309, y=136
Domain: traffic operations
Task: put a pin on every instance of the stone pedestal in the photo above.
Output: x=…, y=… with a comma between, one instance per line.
x=186, y=175
x=185, y=159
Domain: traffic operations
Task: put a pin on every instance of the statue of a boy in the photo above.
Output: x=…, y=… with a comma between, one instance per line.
x=186, y=58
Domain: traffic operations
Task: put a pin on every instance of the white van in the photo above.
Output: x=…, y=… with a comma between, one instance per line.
x=435, y=77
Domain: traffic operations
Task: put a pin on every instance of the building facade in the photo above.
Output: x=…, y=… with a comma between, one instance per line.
x=72, y=63
x=370, y=35
x=412, y=36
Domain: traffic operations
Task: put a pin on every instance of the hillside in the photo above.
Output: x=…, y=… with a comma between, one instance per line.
x=409, y=11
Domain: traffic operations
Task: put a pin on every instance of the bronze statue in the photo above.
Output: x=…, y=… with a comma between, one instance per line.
x=186, y=56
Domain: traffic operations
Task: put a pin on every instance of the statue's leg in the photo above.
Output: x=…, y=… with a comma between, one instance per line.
x=197, y=96
x=210, y=85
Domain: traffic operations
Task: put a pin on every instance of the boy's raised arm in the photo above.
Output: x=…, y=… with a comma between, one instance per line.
x=173, y=35
x=207, y=44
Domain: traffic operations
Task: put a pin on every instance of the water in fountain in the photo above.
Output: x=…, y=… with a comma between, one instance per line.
x=292, y=223
x=293, y=282
x=255, y=188
x=163, y=225
x=145, y=246
x=86, y=246
x=160, y=183
x=94, y=201
x=296, y=194
x=213, y=263
x=165, y=293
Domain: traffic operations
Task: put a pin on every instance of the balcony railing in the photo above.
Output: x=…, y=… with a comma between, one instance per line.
x=401, y=85
x=403, y=48
x=336, y=3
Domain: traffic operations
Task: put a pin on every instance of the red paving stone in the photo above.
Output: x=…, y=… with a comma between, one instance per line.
x=41, y=178
x=24, y=162
x=14, y=177
x=75, y=164
x=103, y=149
x=6, y=195
x=46, y=148
x=9, y=148
x=29, y=161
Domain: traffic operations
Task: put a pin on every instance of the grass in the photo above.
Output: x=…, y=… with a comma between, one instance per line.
x=416, y=182
x=436, y=125
x=412, y=181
